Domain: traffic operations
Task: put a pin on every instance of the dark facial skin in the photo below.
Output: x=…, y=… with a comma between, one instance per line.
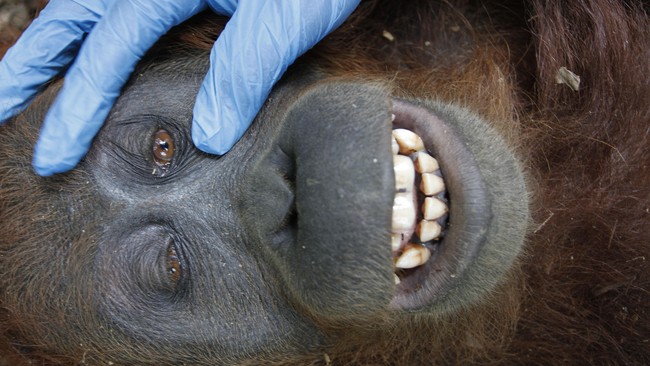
x=257, y=252
x=151, y=252
x=285, y=201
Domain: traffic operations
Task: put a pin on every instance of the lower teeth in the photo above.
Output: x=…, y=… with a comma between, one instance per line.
x=411, y=242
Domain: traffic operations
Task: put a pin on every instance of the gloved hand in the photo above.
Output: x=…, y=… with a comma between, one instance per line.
x=262, y=38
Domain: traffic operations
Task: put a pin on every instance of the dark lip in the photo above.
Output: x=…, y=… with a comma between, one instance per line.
x=469, y=208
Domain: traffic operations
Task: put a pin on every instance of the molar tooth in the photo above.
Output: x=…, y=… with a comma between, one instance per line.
x=425, y=163
x=433, y=208
x=404, y=173
x=413, y=256
x=408, y=141
x=403, y=212
x=431, y=184
x=394, y=145
x=395, y=242
x=428, y=230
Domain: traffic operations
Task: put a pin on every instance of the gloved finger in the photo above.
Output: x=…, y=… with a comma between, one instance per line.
x=223, y=7
x=257, y=45
x=46, y=47
x=93, y=83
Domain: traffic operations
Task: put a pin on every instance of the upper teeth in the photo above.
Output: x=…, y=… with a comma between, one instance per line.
x=425, y=163
x=433, y=208
x=404, y=213
x=404, y=173
x=413, y=255
x=409, y=156
x=428, y=230
x=408, y=141
x=431, y=184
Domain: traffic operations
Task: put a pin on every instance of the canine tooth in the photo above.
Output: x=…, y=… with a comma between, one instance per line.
x=413, y=256
x=403, y=212
x=431, y=184
x=433, y=208
x=428, y=230
x=425, y=163
x=397, y=280
x=408, y=141
x=394, y=145
x=395, y=242
x=404, y=173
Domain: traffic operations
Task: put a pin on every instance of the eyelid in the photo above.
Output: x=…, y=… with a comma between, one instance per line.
x=128, y=144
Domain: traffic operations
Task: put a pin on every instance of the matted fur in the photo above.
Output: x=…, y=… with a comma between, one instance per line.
x=581, y=292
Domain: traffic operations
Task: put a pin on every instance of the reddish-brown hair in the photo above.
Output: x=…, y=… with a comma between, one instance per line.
x=581, y=292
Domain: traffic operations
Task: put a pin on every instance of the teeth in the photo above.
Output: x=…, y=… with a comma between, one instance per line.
x=395, y=242
x=404, y=173
x=428, y=230
x=394, y=145
x=413, y=256
x=397, y=280
x=433, y=208
x=403, y=212
x=425, y=163
x=409, y=156
x=431, y=184
x=408, y=141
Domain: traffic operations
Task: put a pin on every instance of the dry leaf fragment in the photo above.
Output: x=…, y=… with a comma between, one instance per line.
x=565, y=76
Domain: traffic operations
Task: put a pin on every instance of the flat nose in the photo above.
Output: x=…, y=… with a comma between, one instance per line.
x=265, y=199
x=339, y=138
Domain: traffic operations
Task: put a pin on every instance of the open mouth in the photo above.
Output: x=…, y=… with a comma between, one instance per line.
x=442, y=209
x=420, y=207
x=434, y=200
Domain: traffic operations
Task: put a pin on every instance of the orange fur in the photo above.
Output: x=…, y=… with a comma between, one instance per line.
x=581, y=293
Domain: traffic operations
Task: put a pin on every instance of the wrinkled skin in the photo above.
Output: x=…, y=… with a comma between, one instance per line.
x=278, y=251
x=293, y=222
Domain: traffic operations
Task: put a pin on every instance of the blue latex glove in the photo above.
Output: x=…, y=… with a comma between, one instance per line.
x=108, y=38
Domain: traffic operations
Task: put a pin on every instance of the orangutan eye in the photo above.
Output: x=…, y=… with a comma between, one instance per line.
x=173, y=264
x=163, y=149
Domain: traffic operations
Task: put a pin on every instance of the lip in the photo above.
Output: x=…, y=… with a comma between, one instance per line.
x=469, y=214
x=344, y=187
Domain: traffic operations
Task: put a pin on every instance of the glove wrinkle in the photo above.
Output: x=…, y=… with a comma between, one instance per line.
x=105, y=39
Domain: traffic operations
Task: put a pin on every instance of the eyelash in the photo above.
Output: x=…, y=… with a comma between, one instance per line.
x=141, y=162
x=128, y=159
x=131, y=149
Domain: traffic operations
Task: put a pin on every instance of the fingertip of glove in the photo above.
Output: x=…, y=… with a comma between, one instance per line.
x=210, y=146
x=215, y=142
x=214, y=150
x=47, y=162
x=46, y=170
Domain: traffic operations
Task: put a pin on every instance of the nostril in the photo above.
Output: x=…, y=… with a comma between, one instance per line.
x=285, y=235
x=283, y=164
x=292, y=216
x=284, y=161
x=265, y=197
